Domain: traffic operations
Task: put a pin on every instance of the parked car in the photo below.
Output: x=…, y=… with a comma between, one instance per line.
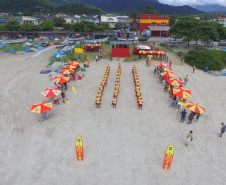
x=143, y=39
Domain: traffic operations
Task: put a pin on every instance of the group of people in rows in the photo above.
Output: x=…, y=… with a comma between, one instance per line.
x=102, y=85
x=137, y=88
x=117, y=84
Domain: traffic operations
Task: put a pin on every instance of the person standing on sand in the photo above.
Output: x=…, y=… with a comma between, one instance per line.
x=191, y=116
x=173, y=101
x=222, y=129
x=189, y=138
x=186, y=80
x=170, y=64
x=96, y=58
x=183, y=115
x=197, y=117
x=182, y=61
x=114, y=102
x=194, y=69
x=56, y=100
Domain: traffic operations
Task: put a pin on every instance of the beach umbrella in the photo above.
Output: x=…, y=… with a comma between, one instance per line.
x=167, y=69
x=168, y=74
x=71, y=67
x=175, y=82
x=41, y=107
x=150, y=52
x=161, y=52
x=61, y=79
x=74, y=63
x=161, y=65
x=182, y=93
x=89, y=45
x=50, y=93
x=67, y=71
x=195, y=107
x=142, y=52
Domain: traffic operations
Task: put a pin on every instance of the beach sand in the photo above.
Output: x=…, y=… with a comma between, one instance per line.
x=121, y=146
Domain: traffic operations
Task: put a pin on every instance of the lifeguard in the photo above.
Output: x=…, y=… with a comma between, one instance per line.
x=101, y=88
x=140, y=103
x=138, y=94
x=116, y=93
x=114, y=102
x=117, y=88
x=98, y=102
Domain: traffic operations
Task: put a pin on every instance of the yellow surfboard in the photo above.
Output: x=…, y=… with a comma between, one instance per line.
x=168, y=156
x=79, y=148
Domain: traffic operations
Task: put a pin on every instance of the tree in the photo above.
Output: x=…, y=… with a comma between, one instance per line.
x=12, y=25
x=172, y=20
x=67, y=26
x=149, y=10
x=209, y=32
x=187, y=28
x=58, y=21
x=29, y=27
x=221, y=31
x=27, y=13
x=117, y=27
x=133, y=16
x=47, y=25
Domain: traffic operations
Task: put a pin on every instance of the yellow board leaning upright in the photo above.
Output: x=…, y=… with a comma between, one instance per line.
x=78, y=50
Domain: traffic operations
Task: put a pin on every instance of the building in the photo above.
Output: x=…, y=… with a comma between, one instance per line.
x=124, y=22
x=91, y=18
x=70, y=20
x=155, y=23
x=37, y=20
x=221, y=20
x=110, y=20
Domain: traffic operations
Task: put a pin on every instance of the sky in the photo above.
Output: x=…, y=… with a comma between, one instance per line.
x=192, y=2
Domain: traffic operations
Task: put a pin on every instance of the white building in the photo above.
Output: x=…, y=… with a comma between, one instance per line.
x=110, y=20
x=221, y=20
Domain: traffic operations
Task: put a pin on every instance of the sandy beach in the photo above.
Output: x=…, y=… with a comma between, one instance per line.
x=122, y=146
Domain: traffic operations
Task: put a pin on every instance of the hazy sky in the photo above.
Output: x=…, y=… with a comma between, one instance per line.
x=192, y=2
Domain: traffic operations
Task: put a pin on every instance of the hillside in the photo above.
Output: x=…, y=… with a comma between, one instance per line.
x=25, y=5
x=78, y=8
x=125, y=6
x=210, y=8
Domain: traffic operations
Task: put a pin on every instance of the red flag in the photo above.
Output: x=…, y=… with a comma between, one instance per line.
x=79, y=77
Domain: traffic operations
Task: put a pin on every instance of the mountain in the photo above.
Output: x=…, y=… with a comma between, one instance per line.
x=78, y=8
x=25, y=5
x=126, y=6
x=210, y=8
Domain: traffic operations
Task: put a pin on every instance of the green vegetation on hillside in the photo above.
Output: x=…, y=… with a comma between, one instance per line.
x=213, y=59
x=79, y=8
x=25, y=5
x=149, y=10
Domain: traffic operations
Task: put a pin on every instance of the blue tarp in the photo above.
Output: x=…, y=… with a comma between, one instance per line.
x=26, y=49
x=58, y=54
x=4, y=44
x=40, y=47
x=45, y=71
x=11, y=50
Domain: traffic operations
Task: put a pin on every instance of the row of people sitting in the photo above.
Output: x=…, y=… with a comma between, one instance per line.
x=102, y=85
x=117, y=84
x=137, y=88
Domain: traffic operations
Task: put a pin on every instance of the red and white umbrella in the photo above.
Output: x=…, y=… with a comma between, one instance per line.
x=50, y=93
